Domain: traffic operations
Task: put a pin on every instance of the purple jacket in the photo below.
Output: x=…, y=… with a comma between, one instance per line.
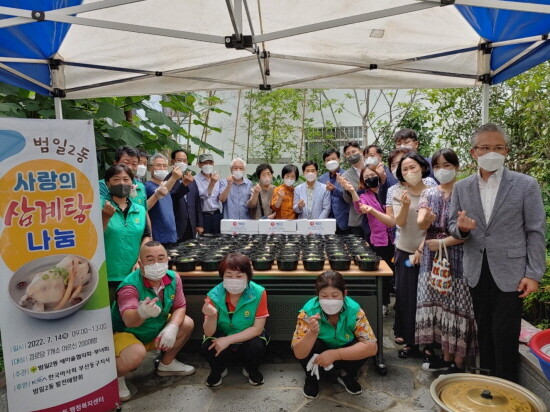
x=380, y=234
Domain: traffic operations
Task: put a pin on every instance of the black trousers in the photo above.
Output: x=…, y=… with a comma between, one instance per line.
x=350, y=366
x=212, y=223
x=406, y=283
x=341, y=231
x=386, y=253
x=357, y=231
x=251, y=353
x=498, y=317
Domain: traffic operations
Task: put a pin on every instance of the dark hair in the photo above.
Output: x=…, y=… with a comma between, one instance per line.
x=424, y=165
x=378, y=149
x=362, y=184
x=174, y=152
x=125, y=150
x=262, y=167
x=330, y=151
x=448, y=154
x=405, y=134
x=236, y=261
x=394, y=153
x=330, y=278
x=352, y=144
x=152, y=243
x=290, y=169
x=143, y=153
x=309, y=163
x=116, y=169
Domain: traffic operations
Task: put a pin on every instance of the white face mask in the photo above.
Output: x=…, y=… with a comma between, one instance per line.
x=235, y=286
x=445, y=176
x=160, y=174
x=207, y=169
x=331, y=306
x=289, y=182
x=394, y=171
x=310, y=177
x=406, y=147
x=332, y=165
x=237, y=174
x=413, y=178
x=141, y=170
x=266, y=181
x=182, y=165
x=371, y=161
x=156, y=271
x=491, y=161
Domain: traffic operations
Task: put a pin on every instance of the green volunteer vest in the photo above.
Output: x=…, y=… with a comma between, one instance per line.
x=245, y=312
x=152, y=326
x=343, y=333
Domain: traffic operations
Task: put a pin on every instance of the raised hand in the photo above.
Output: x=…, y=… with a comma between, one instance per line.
x=208, y=309
x=330, y=187
x=313, y=323
x=215, y=176
x=187, y=178
x=257, y=188
x=161, y=191
x=177, y=173
x=108, y=209
x=148, y=308
x=464, y=223
x=365, y=209
x=430, y=215
x=301, y=204
x=405, y=199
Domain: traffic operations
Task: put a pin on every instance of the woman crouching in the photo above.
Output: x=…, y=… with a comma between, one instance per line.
x=332, y=331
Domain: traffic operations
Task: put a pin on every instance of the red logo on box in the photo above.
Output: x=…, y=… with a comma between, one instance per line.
x=234, y=223
x=272, y=223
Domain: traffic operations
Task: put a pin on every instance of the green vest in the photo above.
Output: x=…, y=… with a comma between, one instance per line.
x=140, y=199
x=123, y=240
x=151, y=327
x=343, y=333
x=245, y=312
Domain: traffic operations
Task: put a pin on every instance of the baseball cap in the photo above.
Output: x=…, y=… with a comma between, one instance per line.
x=205, y=157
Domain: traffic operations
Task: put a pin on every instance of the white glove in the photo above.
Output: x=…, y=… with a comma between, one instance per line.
x=166, y=338
x=148, y=308
x=161, y=191
x=313, y=368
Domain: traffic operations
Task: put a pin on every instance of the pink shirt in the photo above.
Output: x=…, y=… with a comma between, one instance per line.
x=128, y=297
x=379, y=232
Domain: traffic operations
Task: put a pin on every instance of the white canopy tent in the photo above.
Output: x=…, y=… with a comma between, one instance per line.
x=95, y=48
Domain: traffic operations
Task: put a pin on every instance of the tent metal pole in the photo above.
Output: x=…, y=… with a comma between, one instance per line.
x=485, y=95
x=500, y=4
x=58, y=108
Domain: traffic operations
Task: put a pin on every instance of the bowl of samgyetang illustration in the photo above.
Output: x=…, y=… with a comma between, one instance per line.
x=54, y=286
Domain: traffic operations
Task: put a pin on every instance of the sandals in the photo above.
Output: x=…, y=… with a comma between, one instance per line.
x=428, y=351
x=399, y=341
x=410, y=351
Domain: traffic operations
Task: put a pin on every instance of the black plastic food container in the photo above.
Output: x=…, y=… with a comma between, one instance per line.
x=314, y=265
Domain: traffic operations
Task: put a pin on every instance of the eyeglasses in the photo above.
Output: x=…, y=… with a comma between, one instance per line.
x=487, y=149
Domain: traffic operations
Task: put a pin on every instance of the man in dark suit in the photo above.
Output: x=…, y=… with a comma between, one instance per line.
x=186, y=200
x=500, y=216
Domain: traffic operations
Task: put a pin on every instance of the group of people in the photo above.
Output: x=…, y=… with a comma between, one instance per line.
x=492, y=225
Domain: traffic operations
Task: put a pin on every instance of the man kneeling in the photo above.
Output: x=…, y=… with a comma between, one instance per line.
x=149, y=313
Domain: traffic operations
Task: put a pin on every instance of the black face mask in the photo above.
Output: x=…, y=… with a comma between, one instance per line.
x=120, y=190
x=354, y=158
x=372, y=181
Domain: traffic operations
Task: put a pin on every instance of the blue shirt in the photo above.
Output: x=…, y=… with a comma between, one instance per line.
x=210, y=202
x=162, y=216
x=235, y=206
x=339, y=209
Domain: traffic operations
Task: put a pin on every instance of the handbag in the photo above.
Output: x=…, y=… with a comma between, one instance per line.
x=440, y=276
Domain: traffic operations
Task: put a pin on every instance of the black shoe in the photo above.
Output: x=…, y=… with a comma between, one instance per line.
x=410, y=351
x=215, y=378
x=435, y=363
x=351, y=385
x=254, y=377
x=311, y=387
x=453, y=369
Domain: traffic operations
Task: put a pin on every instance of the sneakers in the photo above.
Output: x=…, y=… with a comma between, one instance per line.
x=255, y=378
x=435, y=363
x=215, y=378
x=385, y=311
x=453, y=369
x=123, y=391
x=311, y=387
x=351, y=385
x=176, y=368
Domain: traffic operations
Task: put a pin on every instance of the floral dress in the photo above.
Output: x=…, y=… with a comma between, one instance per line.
x=446, y=319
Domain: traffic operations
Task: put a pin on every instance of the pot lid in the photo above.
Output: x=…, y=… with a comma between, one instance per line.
x=484, y=393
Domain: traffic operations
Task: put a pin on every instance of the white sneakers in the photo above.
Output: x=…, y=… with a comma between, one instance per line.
x=123, y=391
x=176, y=368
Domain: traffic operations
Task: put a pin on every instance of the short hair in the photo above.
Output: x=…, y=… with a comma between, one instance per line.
x=151, y=243
x=236, y=261
x=262, y=167
x=116, y=169
x=290, y=169
x=378, y=149
x=448, y=154
x=330, y=278
x=125, y=150
x=395, y=152
x=352, y=144
x=155, y=157
x=330, y=151
x=490, y=127
x=237, y=159
x=309, y=163
x=405, y=134
x=424, y=165
x=175, y=152
x=143, y=153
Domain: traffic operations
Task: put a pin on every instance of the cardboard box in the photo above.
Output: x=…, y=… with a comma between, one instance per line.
x=235, y=226
x=316, y=227
x=268, y=226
